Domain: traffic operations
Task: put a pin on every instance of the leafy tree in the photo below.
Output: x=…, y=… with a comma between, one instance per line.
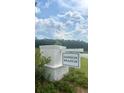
x=67, y=43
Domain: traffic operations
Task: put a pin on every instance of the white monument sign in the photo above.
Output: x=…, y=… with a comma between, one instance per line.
x=54, y=70
x=71, y=59
x=61, y=60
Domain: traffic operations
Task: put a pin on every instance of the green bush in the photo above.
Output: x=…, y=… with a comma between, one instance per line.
x=39, y=70
x=64, y=86
x=39, y=65
x=77, y=77
x=38, y=87
x=49, y=88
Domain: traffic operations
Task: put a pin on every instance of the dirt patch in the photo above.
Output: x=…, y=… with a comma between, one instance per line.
x=81, y=90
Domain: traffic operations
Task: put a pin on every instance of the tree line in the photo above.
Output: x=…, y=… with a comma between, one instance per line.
x=67, y=43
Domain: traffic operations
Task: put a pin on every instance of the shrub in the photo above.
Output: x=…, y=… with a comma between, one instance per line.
x=39, y=65
x=38, y=87
x=39, y=70
x=64, y=86
x=49, y=88
x=77, y=78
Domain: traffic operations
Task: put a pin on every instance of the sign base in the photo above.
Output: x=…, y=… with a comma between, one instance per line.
x=55, y=73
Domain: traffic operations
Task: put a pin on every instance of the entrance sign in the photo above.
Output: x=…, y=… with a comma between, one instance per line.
x=61, y=60
x=71, y=59
x=54, y=69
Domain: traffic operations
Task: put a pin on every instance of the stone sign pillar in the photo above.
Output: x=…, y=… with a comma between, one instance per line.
x=54, y=70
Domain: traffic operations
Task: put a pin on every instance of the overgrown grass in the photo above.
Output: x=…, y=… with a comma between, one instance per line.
x=84, y=66
x=75, y=78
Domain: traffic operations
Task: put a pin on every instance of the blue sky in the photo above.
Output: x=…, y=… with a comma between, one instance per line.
x=61, y=19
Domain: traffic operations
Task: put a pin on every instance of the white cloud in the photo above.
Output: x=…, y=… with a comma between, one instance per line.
x=63, y=3
x=71, y=28
x=37, y=10
x=47, y=4
x=73, y=16
x=81, y=3
x=69, y=22
x=42, y=37
x=77, y=5
x=79, y=27
x=52, y=23
x=49, y=26
x=62, y=35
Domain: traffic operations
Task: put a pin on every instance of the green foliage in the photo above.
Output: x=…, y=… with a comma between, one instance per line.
x=49, y=88
x=57, y=42
x=84, y=66
x=64, y=86
x=75, y=77
x=39, y=65
x=67, y=43
x=45, y=87
x=38, y=87
x=40, y=59
x=79, y=77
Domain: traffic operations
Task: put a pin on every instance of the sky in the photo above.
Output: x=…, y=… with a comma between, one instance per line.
x=61, y=19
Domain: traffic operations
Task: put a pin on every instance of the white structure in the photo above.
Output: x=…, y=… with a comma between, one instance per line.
x=54, y=70
x=81, y=50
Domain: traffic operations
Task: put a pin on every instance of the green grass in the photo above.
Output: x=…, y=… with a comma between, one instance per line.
x=78, y=76
x=84, y=66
